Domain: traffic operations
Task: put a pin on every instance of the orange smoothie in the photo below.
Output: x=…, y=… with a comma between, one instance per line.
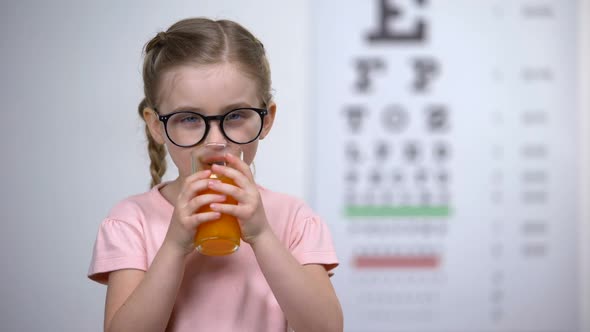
x=222, y=236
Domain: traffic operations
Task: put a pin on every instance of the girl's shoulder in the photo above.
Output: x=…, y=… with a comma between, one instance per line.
x=143, y=204
x=279, y=197
x=285, y=203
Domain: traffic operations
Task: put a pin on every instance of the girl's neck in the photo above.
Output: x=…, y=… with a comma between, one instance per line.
x=171, y=190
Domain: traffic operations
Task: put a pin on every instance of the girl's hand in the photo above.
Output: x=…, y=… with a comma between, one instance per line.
x=185, y=220
x=249, y=209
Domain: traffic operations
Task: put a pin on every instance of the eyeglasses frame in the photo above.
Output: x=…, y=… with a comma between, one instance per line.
x=262, y=112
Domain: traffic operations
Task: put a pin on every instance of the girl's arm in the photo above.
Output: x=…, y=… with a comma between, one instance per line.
x=143, y=301
x=304, y=293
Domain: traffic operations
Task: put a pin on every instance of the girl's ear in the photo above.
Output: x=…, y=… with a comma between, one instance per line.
x=154, y=125
x=268, y=120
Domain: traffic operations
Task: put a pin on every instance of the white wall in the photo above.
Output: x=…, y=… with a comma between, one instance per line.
x=584, y=164
x=72, y=144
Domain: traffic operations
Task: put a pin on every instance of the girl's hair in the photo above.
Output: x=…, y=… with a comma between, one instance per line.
x=199, y=41
x=157, y=152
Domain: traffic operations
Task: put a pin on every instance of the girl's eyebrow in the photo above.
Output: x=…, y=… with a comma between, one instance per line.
x=200, y=110
x=187, y=108
x=237, y=105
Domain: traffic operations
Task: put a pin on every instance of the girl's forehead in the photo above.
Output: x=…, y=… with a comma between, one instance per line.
x=205, y=87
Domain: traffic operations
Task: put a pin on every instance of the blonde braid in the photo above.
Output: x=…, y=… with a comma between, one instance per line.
x=157, y=152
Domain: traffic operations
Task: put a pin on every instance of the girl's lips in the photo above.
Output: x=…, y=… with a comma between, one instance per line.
x=205, y=161
x=216, y=163
x=219, y=160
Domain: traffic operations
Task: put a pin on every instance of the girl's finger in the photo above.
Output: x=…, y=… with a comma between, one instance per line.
x=191, y=189
x=204, y=200
x=230, y=209
x=239, y=178
x=239, y=165
x=199, y=218
x=197, y=175
x=229, y=190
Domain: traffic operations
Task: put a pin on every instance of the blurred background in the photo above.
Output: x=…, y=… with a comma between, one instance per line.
x=445, y=143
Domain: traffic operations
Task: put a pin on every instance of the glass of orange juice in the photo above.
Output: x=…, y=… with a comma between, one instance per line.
x=222, y=236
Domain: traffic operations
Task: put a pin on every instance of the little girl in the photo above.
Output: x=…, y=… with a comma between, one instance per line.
x=200, y=75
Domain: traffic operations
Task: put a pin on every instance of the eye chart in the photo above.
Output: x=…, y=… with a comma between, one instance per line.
x=445, y=162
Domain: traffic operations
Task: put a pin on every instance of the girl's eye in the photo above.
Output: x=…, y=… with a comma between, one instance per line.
x=234, y=116
x=190, y=119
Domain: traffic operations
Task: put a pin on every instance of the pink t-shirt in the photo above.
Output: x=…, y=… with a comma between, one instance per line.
x=227, y=293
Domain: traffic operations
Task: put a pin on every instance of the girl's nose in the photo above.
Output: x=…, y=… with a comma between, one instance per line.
x=215, y=135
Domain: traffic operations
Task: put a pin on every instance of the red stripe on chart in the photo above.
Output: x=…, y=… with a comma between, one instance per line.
x=400, y=262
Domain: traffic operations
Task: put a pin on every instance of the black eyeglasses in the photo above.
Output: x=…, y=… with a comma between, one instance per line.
x=241, y=126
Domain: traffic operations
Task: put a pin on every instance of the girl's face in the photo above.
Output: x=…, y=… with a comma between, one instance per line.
x=208, y=90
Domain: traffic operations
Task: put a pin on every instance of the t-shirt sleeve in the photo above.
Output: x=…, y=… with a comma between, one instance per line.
x=119, y=244
x=311, y=241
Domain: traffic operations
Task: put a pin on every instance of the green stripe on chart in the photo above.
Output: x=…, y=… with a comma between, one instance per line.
x=396, y=211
